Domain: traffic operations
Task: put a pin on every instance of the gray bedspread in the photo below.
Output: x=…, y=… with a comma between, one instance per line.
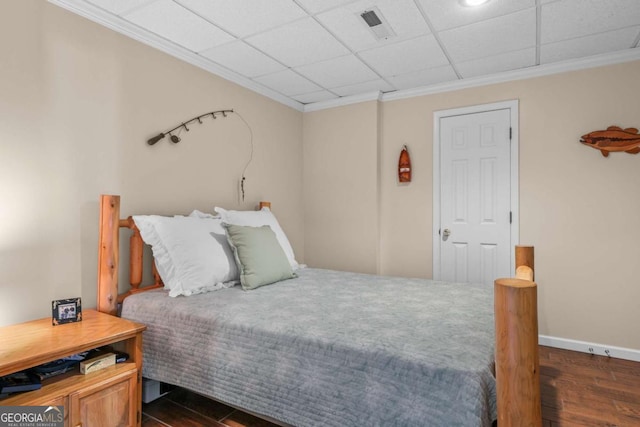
x=330, y=349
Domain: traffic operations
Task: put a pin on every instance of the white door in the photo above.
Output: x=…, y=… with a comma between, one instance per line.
x=475, y=241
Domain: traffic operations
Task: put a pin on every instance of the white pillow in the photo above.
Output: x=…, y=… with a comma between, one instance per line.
x=192, y=254
x=258, y=219
x=199, y=214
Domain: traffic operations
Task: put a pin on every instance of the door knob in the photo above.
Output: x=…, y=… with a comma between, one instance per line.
x=446, y=232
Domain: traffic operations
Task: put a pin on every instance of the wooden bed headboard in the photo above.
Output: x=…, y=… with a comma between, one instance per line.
x=109, y=256
x=515, y=307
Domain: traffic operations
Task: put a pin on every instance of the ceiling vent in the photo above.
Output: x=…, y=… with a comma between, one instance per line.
x=376, y=23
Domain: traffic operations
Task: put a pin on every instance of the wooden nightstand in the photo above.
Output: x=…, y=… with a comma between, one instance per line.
x=107, y=398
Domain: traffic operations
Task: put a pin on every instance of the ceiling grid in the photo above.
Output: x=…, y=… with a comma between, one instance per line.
x=308, y=51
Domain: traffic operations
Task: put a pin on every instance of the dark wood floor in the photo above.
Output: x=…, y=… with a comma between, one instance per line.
x=182, y=408
x=578, y=389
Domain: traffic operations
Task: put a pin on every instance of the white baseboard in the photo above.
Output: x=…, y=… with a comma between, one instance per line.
x=592, y=348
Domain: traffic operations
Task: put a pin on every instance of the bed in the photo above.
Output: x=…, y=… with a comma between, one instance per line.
x=324, y=348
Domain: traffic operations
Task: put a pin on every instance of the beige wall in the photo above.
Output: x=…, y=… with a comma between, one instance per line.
x=340, y=187
x=579, y=209
x=77, y=103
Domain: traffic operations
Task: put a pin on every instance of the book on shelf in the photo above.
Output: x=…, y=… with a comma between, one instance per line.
x=31, y=379
x=44, y=374
x=60, y=366
x=19, y=381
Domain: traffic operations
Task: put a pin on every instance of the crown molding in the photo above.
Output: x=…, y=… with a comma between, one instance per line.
x=121, y=26
x=345, y=100
x=521, y=74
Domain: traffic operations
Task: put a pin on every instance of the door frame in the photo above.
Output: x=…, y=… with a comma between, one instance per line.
x=513, y=106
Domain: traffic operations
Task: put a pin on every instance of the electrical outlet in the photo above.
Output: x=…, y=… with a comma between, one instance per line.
x=600, y=351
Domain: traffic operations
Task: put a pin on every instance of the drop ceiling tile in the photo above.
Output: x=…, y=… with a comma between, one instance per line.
x=298, y=43
x=450, y=14
x=119, y=6
x=244, y=17
x=341, y=71
x=366, y=87
x=173, y=22
x=279, y=41
x=406, y=56
x=423, y=77
x=242, y=58
x=315, y=6
x=575, y=18
x=288, y=83
x=403, y=17
x=491, y=37
x=498, y=63
x=590, y=45
x=321, y=95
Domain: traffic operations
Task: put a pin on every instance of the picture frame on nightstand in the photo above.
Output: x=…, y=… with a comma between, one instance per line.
x=66, y=311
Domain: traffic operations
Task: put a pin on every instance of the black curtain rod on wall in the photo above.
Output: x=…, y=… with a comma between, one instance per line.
x=175, y=138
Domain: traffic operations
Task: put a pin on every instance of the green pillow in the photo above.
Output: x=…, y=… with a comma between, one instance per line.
x=260, y=258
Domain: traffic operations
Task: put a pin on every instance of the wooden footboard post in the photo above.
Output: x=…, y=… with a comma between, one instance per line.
x=517, y=362
x=524, y=263
x=108, y=254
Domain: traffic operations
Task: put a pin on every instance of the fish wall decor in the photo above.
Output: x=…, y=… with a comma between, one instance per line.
x=613, y=139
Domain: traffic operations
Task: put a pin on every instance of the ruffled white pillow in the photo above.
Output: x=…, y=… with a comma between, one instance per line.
x=192, y=254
